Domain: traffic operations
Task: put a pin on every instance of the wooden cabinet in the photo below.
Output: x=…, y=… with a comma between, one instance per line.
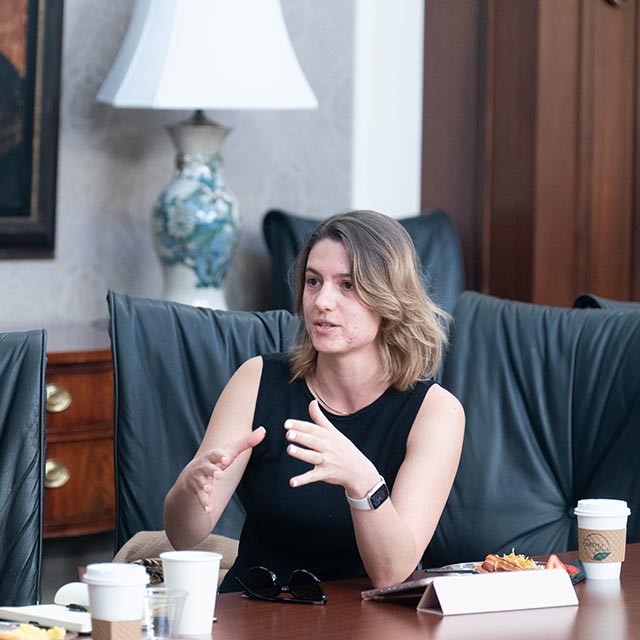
x=79, y=494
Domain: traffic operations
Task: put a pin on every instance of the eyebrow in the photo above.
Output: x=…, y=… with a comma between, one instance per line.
x=337, y=275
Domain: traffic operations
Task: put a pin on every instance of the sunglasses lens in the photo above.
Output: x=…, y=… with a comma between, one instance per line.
x=262, y=582
x=305, y=586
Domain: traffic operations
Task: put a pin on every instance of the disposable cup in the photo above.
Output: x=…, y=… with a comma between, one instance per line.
x=195, y=572
x=116, y=599
x=602, y=536
x=162, y=612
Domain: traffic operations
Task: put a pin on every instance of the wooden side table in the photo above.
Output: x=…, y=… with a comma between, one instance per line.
x=79, y=494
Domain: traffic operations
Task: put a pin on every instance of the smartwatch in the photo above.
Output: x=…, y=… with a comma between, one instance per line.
x=372, y=500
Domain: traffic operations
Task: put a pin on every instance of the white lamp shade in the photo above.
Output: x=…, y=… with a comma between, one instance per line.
x=207, y=54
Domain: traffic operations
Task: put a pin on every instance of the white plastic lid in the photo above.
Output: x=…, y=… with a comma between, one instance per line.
x=116, y=574
x=602, y=507
x=190, y=555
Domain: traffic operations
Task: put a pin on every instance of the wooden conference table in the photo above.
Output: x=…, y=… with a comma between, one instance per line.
x=608, y=609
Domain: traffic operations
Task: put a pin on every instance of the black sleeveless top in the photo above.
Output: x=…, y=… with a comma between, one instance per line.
x=310, y=527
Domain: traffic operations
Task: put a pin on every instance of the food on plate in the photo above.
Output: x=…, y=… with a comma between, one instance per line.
x=506, y=562
x=31, y=632
x=555, y=563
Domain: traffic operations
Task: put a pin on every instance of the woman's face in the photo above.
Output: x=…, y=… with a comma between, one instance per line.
x=334, y=316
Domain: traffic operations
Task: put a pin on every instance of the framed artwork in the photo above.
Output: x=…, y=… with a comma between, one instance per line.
x=30, y=48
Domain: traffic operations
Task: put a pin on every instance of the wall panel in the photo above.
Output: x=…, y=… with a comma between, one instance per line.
x=550, y=208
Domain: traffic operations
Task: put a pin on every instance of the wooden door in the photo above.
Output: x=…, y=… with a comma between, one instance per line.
x=530, y=141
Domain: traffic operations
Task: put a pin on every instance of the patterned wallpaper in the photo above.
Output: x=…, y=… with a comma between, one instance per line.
x=113, y=163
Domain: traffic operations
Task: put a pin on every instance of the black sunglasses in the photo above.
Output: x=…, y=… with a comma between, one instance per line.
x=263, y=584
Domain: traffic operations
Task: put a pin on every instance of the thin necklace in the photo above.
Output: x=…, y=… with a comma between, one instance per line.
x=333, y=410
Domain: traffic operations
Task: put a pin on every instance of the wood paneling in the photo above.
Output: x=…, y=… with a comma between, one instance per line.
x=614, y=51
x=540, y=171
x=635, y=282
x=558, y=225
x=508, y=213
x=451, y=137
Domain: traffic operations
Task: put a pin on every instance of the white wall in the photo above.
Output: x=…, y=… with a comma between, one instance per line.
x=113, y=163
x=387, y=123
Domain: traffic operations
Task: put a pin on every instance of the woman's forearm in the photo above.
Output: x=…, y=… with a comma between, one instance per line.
x=186, y=522
x=386, y=544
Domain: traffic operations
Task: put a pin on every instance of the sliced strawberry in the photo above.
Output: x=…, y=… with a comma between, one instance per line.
x=555, y=563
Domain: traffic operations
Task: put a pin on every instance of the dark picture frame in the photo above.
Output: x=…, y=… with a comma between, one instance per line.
x=30, y=54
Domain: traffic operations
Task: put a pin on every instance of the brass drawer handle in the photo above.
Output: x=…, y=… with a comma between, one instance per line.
x=56, y=475
x=58, y=398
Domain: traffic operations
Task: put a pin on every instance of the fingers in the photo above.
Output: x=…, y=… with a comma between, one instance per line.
x=228, y=454
x=315, y=458
x=319, y=423
x=210, y=466
x=248, y=442
x=317, y=416
x=202, y=485
x=309, y=442
x=305, y=478
x=304, y=439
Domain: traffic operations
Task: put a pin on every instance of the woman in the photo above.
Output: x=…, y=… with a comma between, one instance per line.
x=310, y=437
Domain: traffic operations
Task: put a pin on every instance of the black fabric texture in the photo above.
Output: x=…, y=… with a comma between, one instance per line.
x=592, y=301
x=171, y=362
x=552, y=402
x=310, y=527
x=433, y=234
x=22, y=460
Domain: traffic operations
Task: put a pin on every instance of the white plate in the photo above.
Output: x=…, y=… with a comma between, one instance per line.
x=472, y=566
x=462, y=566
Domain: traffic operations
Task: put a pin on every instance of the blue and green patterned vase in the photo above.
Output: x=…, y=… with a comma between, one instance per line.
x=196, y=217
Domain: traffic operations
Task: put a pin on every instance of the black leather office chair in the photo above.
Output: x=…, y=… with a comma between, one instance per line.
x=592, y=301
x=434, y=235
x=22, y=459
x=171, y=362
x=552, y=402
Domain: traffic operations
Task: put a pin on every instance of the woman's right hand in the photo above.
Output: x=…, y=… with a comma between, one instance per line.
x=203, y=489
x=199, y=475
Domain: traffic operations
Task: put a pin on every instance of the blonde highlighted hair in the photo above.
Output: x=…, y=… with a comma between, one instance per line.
x=386, y=278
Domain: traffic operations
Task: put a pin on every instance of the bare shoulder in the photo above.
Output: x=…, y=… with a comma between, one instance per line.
x=248, y=372
x=440, y=412
x=438, y=398
x=243, y=386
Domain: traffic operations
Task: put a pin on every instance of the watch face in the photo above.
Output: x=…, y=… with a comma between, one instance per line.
x=379, y=496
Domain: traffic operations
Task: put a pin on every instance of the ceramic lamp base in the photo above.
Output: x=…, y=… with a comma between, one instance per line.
x=196, y=217
x=180, y=287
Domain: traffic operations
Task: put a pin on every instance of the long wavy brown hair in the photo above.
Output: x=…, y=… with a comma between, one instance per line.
x=386, y=279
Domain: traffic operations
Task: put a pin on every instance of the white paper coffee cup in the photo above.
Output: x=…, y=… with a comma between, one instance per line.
x=195, y=572
x=602, y=536
x=116, y=590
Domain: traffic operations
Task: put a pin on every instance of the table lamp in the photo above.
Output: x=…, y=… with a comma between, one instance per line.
x=197, y=55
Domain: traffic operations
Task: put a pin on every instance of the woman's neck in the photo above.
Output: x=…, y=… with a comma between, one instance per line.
x=345, y=386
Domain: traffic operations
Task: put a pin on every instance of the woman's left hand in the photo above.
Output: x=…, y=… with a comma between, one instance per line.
x=334, y=457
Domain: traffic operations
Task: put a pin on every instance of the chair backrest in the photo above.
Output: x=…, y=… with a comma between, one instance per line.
x=592, y=301
x=171, y=362
x=22, y=460
x=433, y=233
x=552, y=401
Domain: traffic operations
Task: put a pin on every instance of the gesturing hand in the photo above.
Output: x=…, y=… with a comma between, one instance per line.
x=334, y=457
x=200, y=473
